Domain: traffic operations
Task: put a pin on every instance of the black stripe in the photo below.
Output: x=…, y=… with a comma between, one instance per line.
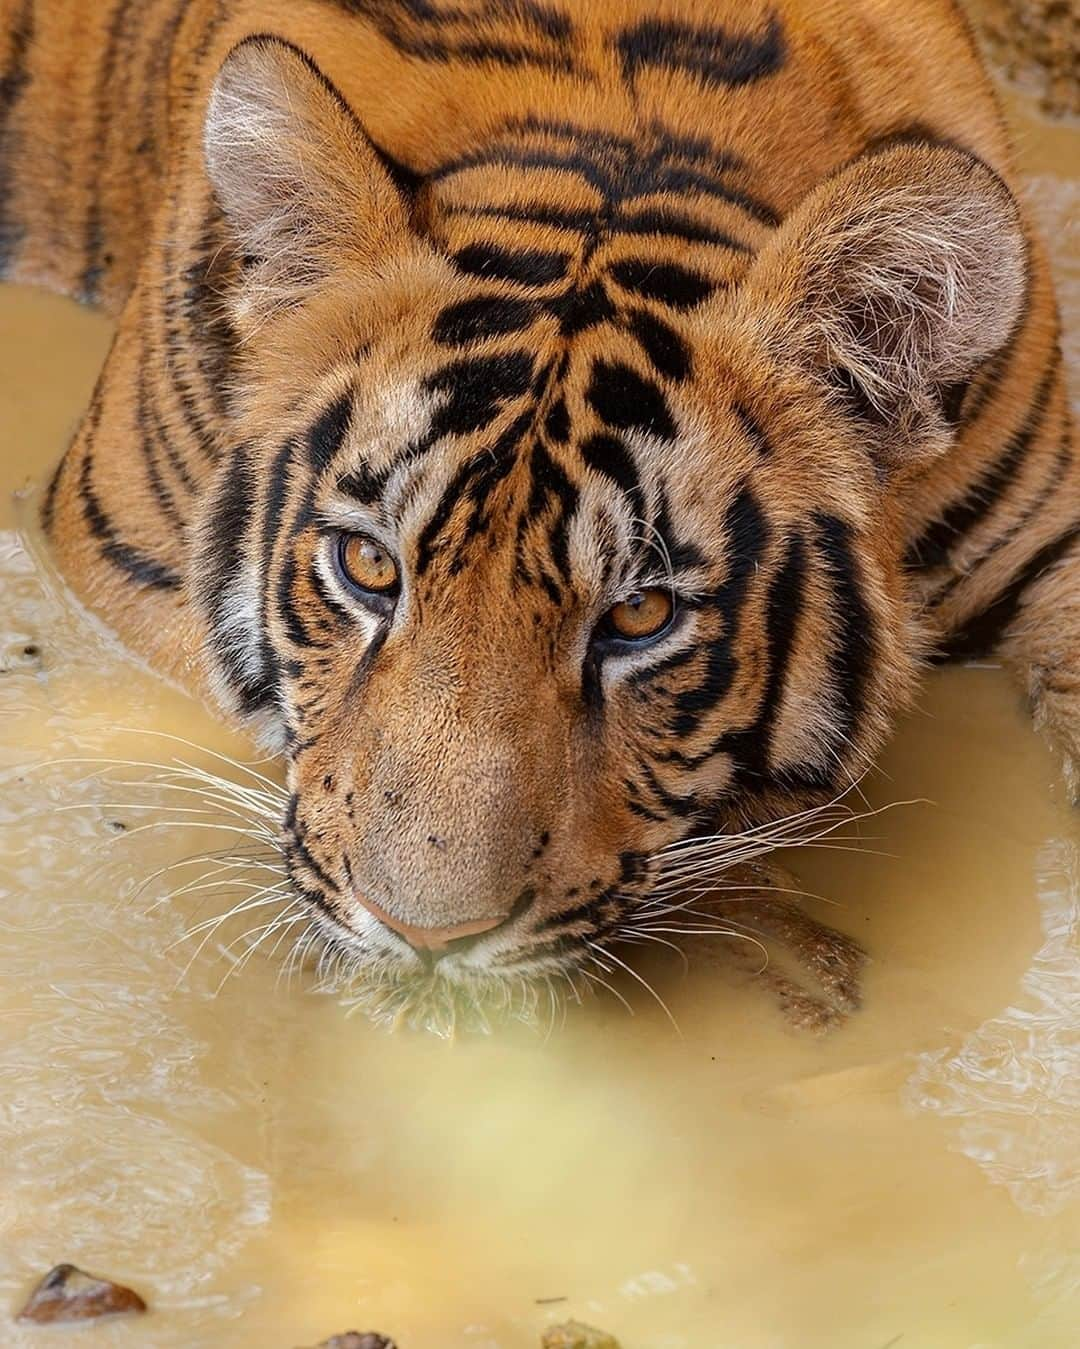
x=982, y=633
x=273, y=517
x=476, y=390
x=84, y=435
x=1062, y=462
x=481, y=317
x=549, y=481
x=295, y=629
x=649, y=676
x=581, y=309
x=752, y=427
x=626, y=401
x=295, y=848
x=475, y=480
x=752, y=748
x=666, y=282
x=429, y=32
x=557, y=422
x=139, y=566
x=148, y=449
x=576, y=160
x=682, y=807
x=674, y=225
x=852, y=621
x=496, y=464
x=525, y=266
x=619, y=169
x=933, y=546
x=714, y=56
x=682, y=553
x=610, y=456
x=669, y=354
x=220, y=569
x=682, y=180
x=329, y=602
x=328, y=432
x=582, y=913
x=364, y=484
x=660, y=145
x=230, y=517
x=987, y=383
x=178, y=347
x=617, y=166
x=104, y=93
x=155, y=75
x=531, y=213
x=747, y=539
x=164, y=439
x=212, y=339
x=272, y=523
x=13, y=85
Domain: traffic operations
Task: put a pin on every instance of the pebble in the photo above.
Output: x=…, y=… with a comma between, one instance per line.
x=575, y=1335
x=352, y=1339
x=70, y=1294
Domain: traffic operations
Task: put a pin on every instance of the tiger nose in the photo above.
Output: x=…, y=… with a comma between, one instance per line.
x=433, y=939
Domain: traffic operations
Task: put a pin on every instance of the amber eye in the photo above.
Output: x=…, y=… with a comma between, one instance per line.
x=644, y=614
x=367, y=565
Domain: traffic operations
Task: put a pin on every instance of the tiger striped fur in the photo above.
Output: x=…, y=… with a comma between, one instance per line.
x=557, y=301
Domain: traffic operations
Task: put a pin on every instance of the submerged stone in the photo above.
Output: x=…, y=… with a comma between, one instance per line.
x=70, y=1294
x=353, y=1339
x=575, y=1335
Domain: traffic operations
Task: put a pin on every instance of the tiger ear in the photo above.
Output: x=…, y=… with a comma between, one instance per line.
x=895, y=280
x=301, y=186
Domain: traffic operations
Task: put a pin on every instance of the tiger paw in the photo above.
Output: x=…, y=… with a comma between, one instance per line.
x=812, y=972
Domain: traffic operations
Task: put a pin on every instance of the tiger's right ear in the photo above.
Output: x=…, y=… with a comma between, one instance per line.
x=300, y=184
x=894, y=280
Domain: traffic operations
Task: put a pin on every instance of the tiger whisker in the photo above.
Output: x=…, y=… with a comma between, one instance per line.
x=595, y=978
x=218, y=862
x=271, y=896
x=244, y=767
x=642, y=981
x=641, y=936
x=267, y=930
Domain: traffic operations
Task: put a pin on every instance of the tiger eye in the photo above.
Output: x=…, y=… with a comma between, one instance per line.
x=368, y=565
x=643, y=614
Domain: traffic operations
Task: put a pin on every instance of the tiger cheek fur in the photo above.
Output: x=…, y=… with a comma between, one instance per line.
x=549, y=307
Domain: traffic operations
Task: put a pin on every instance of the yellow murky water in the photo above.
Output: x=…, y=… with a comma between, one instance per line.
x=267, y=1171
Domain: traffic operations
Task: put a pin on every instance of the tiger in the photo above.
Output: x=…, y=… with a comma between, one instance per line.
x=562, y=431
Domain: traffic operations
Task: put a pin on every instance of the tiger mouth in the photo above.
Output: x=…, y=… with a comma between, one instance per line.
x=445, y=998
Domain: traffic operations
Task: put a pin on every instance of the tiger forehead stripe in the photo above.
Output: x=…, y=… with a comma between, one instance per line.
x=532, y=33
x=627, y=174
x=716, y=56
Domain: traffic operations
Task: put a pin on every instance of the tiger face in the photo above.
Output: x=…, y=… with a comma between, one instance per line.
x=564, y=555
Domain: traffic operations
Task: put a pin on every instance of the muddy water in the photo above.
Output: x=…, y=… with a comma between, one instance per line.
x=266, y=1169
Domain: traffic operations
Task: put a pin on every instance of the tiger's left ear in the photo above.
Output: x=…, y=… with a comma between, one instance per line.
x=301, y=186
x=895, y=280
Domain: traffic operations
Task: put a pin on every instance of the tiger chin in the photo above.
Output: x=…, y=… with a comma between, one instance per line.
x=563, y=430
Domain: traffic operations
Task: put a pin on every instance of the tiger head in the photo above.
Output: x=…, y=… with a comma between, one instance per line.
x=563, y=550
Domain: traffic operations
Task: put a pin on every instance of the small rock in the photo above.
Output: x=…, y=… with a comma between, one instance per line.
x=70, y=1294
x=574, y=1335
x=352, y=1339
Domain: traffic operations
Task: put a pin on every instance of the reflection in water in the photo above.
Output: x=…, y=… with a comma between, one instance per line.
x=1014, y=1085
